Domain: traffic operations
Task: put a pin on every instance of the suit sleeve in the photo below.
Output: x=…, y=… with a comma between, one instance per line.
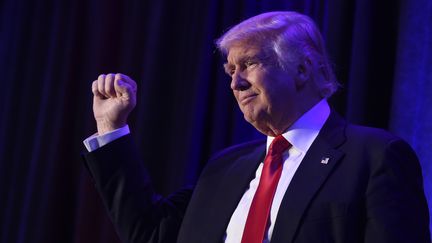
x=397, y=210
x=139, y=214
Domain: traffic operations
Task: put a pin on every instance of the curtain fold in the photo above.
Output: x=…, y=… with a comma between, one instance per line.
x=411, y=110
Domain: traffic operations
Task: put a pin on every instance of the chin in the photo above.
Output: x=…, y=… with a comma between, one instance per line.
x=254, y=120
x=250, y=113
x=248, y=119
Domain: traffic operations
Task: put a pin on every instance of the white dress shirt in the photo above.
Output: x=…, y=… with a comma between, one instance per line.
x=95, y=141
x=301, y=135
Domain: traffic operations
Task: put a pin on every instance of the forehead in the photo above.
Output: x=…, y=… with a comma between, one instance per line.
x=239, y=52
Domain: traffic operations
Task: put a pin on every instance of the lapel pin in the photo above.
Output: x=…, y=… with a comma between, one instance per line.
x=325, y=160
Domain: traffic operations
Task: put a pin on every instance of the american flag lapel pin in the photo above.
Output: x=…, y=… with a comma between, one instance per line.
x=325, y=160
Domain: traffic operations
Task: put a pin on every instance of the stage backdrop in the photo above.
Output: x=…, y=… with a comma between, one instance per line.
x=51, y=51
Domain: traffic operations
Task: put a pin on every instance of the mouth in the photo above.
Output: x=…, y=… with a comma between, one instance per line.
x=245, y=100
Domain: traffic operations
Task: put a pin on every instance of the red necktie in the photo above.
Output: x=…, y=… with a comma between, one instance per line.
x=256, y=223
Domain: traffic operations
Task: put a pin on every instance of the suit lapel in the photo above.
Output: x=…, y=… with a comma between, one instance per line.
x=321, y=158
x=231, y=188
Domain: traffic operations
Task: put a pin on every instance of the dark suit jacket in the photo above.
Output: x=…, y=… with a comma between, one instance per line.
x=371, y=190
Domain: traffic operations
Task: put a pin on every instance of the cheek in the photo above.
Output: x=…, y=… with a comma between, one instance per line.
x=236, y=94
x=265, y=96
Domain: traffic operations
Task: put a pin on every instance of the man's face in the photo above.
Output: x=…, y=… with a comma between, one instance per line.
x=265, y=93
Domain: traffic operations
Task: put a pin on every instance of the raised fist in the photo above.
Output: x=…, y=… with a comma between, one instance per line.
x=114, y=97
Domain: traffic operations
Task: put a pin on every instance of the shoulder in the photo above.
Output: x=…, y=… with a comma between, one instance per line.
x=362, y=143
x=339, y=133
x=369, y=133
x=239, y=149
x=380, y=148
x=371, y=137
x=230, y=156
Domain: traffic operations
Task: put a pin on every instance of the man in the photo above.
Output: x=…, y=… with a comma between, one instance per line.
x=322, y=180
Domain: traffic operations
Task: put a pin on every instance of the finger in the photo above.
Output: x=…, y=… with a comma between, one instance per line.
x=109, y=85
x=124, y=87
x=95, y=90
x=101, y=85
x=127, y=80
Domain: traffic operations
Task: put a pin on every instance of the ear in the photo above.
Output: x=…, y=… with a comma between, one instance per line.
x=304, y=70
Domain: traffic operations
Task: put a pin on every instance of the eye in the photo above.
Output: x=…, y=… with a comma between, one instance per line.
x=231, y=71
x=249, y=63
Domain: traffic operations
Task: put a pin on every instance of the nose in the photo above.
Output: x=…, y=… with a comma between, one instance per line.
x=239, y=82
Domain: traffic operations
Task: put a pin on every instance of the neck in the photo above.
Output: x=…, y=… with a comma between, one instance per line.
x=278, y=127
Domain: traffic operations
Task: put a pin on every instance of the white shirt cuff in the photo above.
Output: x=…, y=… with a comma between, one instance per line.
x=95, y=141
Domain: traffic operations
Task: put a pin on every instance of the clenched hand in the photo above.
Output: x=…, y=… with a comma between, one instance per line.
x=114, y=97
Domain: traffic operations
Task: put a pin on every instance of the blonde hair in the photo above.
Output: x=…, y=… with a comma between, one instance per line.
x=288, y=37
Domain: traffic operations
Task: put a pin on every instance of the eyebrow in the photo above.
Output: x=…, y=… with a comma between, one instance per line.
x=228, y=67
x=242, y=59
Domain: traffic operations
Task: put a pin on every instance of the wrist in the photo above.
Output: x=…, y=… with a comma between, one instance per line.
x=104, y=127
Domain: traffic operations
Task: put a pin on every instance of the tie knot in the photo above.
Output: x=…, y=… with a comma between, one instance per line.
x=279, y=145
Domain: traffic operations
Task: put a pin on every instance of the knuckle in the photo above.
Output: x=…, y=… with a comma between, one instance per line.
x=121, y=77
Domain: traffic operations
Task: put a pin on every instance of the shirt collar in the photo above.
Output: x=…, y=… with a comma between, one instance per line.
x=304, y=131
